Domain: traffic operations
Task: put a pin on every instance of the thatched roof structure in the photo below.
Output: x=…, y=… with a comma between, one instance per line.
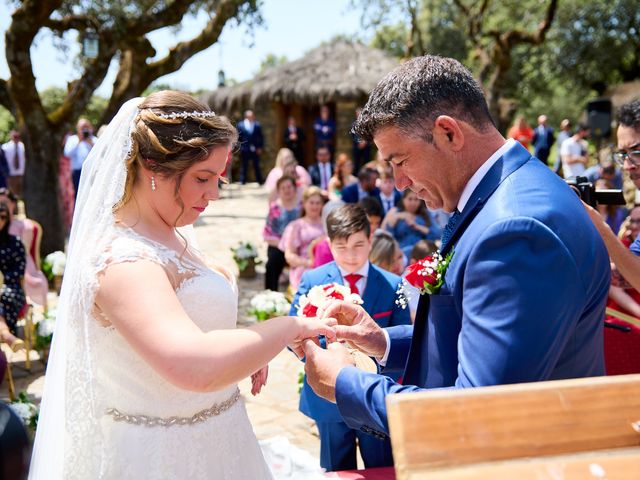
x=339, y=70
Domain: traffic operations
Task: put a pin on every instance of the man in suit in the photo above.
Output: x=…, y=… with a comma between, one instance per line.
x=14, y=153
x=251, y=144
x=361, y=149
x=389, y=194
x=349, y=235
x=364, y=187
x=324, y=128
x=294, y=139
x=524, y=294
x=321, y=171
x=543, y=138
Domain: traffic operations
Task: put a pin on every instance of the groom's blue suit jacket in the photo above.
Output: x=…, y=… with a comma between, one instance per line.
x=378, y=300
x=523, y=298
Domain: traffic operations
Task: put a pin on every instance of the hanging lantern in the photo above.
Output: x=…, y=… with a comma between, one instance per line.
x=90, y=44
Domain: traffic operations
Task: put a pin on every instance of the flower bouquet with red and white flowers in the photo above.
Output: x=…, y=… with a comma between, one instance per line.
x=320, y=295
x=427, y=275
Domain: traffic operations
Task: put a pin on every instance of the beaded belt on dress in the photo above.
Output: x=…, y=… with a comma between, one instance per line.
x=201, y=416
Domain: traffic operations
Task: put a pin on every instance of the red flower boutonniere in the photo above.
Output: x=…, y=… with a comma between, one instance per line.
x=427, y=275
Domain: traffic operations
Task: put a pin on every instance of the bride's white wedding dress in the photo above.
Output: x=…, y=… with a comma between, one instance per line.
x=150, y=428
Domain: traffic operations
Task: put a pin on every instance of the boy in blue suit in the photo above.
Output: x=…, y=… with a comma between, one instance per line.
x=524, y=295
x=349, y=235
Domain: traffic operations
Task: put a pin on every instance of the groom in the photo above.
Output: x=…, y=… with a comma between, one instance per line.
x=524, y=295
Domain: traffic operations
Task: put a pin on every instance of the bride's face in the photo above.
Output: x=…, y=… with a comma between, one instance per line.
x=198, y=187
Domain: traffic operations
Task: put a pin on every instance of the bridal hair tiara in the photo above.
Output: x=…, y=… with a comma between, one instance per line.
x=194, y=114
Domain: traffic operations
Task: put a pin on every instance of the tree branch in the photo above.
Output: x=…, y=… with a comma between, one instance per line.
x=70, y=22
x=151, y=21
x=179, y=54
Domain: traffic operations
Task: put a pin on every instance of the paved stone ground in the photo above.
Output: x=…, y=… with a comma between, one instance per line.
x=238, y=216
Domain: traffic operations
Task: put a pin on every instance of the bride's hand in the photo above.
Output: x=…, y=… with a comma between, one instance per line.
x=311, y=328
x=259, y=379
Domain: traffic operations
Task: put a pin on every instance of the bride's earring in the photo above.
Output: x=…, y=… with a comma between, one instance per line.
x=153, y=183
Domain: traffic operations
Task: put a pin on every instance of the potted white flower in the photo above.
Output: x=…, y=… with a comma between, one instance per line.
x=269, y=304
x=26, y=410
x=44, y=335
x=53, y=267
x=246, y=257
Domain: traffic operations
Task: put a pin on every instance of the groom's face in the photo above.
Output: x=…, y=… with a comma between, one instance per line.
x=419, y=166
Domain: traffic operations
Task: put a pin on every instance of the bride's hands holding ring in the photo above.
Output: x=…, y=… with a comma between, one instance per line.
x=310, y=328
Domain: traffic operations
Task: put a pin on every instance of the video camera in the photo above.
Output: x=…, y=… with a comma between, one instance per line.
x=589, y=195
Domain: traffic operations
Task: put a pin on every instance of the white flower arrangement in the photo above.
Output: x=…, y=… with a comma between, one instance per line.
x=44, y=330
x=57, y=261
x=269, y=304
x=26, y=410
x=320, y=295
x=243, y=253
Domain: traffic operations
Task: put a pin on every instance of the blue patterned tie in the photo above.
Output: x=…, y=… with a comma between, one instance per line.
x=450, y=227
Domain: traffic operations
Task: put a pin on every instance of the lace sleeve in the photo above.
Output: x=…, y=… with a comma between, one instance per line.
x=124, y=249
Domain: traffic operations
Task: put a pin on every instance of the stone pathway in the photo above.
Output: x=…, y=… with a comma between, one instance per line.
x=238, y=216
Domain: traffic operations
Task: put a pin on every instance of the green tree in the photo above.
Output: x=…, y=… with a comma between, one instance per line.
x=122, y=29
x=271, y=60
x=484, y=35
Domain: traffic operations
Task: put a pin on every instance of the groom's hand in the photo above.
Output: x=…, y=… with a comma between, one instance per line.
x=323, y=366
x=356, y=327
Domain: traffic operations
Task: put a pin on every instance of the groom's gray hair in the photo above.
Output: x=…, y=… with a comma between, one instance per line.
x=415, y=93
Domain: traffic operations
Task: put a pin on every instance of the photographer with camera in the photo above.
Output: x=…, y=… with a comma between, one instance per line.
x=627, y=260
x=77, y=148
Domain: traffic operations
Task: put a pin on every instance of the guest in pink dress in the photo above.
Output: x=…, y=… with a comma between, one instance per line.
x=286, y=164
x=300, y=233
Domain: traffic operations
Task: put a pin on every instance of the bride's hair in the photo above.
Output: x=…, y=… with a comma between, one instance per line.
x=169, y=146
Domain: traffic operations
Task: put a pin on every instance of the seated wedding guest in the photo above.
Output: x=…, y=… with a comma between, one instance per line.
x=373, y=209
x=350, y=236
x=14, y=445
x=410, y=222
x=282, y=211
x=389, y=194
x=36, y=285
x=299, y=234
x=605, y=171
x=320, y=248
x=12, y=265
x=386, y=253
x=614, y=215
x=286, y=164
x=342, y=177
x=622, y=296
x=322, y=171
x=365, y=187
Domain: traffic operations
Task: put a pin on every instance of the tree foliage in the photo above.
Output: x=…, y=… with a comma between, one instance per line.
x=123, y=30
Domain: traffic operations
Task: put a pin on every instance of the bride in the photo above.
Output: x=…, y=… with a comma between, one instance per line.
x=141, y=381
